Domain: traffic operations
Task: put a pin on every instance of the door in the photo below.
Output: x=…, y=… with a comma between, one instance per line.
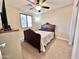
x=75, y=51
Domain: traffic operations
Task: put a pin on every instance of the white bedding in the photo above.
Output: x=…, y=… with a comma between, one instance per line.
x=46, y=37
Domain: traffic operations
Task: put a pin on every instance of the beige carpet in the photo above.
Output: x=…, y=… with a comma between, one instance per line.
x=57, y=49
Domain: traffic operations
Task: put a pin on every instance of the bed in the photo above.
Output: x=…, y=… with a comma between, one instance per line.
x=40, y=38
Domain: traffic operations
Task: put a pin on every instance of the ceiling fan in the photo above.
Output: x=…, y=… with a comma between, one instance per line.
x=38, y=5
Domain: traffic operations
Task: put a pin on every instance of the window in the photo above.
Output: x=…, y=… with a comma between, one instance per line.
x=26, y=20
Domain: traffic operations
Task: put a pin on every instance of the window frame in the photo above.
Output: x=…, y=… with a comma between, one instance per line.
x=26, y=20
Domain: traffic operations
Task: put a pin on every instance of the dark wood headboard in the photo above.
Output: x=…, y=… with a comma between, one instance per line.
x=49, y=26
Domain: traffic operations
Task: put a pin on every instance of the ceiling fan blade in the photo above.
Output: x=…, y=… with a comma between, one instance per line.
x=43, y=1
x=31, y=8
x=45, y=7
x=38, y=1
x=28, y=5
x=30, y=1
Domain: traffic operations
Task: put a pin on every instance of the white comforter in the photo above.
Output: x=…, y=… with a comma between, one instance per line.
x=46, y=37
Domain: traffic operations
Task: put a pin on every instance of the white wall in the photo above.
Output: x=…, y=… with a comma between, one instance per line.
x=62, y=18
x=0, y=4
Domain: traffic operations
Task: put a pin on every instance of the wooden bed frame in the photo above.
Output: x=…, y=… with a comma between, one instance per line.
x=34, y=38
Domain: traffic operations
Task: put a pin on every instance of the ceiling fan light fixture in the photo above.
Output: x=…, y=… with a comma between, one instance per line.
x=38, y=7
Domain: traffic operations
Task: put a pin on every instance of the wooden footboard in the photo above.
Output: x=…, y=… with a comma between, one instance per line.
x=33, y=38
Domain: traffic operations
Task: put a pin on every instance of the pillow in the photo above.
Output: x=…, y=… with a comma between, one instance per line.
x=47, y=27
x=43, y=27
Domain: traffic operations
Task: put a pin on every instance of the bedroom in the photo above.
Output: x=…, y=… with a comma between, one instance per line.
x=60, y=16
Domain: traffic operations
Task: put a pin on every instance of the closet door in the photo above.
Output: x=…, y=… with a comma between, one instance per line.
x=75, y=51
x=73, y=22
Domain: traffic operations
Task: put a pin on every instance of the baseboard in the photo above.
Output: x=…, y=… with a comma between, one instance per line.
x=58, y=37
x=70, y=43
x=61, y=38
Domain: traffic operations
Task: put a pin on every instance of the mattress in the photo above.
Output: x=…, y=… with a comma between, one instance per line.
x=46, y=37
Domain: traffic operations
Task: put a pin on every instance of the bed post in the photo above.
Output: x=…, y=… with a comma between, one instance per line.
x=54, y=31
x=54, y=34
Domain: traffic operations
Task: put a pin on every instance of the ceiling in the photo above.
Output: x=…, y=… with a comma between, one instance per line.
x=54, y=4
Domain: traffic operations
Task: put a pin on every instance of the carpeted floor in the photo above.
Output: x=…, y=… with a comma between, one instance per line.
x=57, y=49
